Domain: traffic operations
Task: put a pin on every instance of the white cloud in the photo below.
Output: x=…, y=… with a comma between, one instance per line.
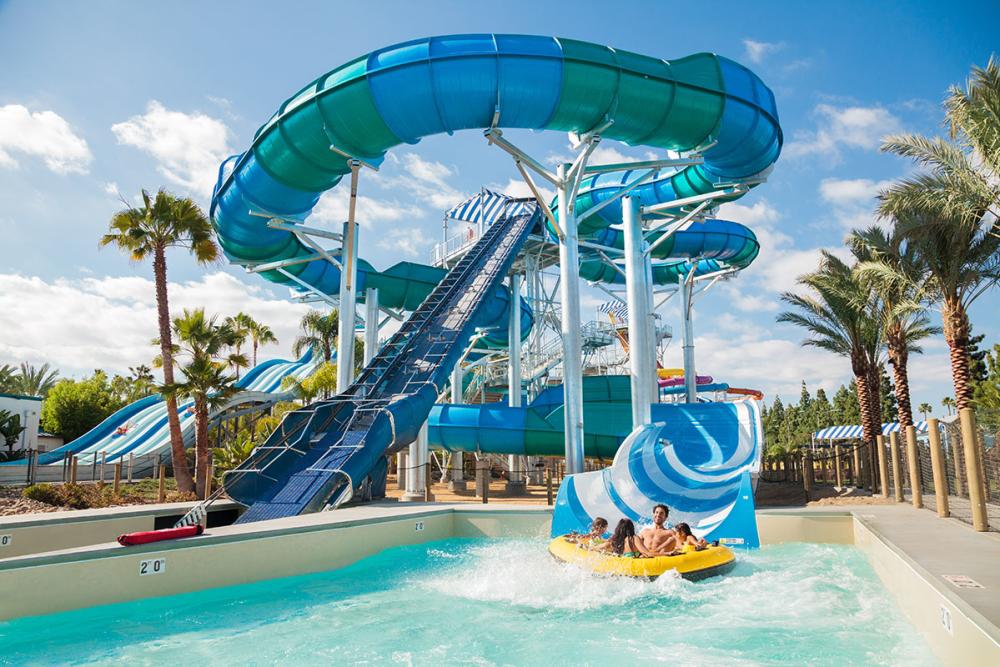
x=111, y=188
x=42, y=134
x=409, y=242
x=853, y=200
x=747, y=359
x=757, y=51
x=80, y=324
x=779, y=263
x=188, y=147
x=516, y=187
x=843, y=127
x=333, y=208
x=426, y=181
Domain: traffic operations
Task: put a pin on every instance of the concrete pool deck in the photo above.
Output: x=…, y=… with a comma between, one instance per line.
x=912, y=551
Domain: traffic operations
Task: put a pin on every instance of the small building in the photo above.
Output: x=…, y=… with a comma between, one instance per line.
x=30, y=410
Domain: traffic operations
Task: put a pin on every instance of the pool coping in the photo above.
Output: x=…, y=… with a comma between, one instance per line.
x=329, y=540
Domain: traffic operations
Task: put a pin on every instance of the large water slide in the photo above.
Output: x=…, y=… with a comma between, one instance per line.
x=140, y=428
x=402, y=93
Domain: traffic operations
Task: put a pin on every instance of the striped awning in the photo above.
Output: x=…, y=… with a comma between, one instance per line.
x=854, y=431
x=487, y=207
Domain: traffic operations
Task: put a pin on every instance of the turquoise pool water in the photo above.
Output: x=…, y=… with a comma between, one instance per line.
x=501, y=602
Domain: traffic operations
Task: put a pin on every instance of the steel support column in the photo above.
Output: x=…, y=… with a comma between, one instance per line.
x=515, y=464
x=690, y=379
x=642, y=361
x=569, y=279
x=457, y=482
x=371, y=323
x=348, y=289
x=417, y=458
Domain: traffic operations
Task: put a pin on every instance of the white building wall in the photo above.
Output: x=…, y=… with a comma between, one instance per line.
x=30, y=409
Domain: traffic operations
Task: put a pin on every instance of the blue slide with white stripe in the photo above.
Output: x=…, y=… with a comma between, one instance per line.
x=140, y=428
x=699, y=461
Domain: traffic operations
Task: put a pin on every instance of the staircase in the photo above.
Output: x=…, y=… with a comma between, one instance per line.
x=322, y=454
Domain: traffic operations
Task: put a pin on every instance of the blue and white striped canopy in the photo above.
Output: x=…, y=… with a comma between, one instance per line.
x=487, y=207
x=854, y=432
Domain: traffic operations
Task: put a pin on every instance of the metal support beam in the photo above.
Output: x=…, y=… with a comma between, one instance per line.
x=348, y=289
x=515, y=480
x=294, y=278
x=371, y=323
x=675, y=226
x=690, y=379
x=457, y=482
x=666, y=207
x=569, y=273
x=638, y=281
x=417, y=457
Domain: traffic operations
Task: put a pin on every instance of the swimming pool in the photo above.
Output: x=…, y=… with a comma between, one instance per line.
x=478, y=601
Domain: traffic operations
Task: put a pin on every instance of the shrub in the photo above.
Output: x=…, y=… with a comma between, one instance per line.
x=43, y=493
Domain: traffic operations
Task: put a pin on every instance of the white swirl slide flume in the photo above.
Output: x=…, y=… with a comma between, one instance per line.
x=699, y=461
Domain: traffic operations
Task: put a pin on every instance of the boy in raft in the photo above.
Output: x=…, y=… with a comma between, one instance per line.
x=594, y=537
x=658, y=539
x=685, y=537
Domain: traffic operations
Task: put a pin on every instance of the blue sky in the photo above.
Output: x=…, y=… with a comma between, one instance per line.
x=102, y=98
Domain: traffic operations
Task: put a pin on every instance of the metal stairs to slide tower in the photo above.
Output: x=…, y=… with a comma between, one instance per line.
x=320, y=455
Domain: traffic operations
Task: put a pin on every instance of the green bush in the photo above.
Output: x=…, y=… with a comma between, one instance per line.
x=43, y=493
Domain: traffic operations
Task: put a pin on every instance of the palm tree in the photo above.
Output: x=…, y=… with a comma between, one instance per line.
x=147, y=231
x=892, y=269
x=963, y=174
x=839, y=322
x=948, y=403
x=925, y=409
x=32, y=381
x=7, y=375
x=260, y=334
x=949, y=211
x=201, y=348
x=240, y=326
x=319, y=332
x=10, y=429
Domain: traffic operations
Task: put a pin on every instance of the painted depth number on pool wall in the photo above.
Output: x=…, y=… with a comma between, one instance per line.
x=418, y=526
x=6, y=540
x=152, y=566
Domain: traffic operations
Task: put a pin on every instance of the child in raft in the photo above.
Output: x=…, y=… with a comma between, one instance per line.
x=624, y=542
x=685, y=538
x=594, y=537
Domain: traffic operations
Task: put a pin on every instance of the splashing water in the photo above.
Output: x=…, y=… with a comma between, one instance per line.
x=501, y=602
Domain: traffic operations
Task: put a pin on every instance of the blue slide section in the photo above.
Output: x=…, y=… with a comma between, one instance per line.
x=141, y=428
x=699, y=463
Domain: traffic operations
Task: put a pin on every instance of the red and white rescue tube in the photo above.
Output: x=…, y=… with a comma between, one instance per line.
x=147, y=536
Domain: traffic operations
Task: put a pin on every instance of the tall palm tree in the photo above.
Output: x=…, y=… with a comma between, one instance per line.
x=949, y=210
x=963, y=262
x=165, y=221
x=202, y=353
x=892, y=269
x=962, y=171
x=260, y=335
x=839, y=322
x=239, y=324
x=319, y=332
x=925, y=409
x=32, y=381
x=948, y=403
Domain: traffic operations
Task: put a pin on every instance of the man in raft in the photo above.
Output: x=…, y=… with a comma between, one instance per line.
x=658, y=539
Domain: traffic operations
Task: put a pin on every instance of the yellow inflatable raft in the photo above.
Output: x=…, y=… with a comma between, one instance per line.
x=692, y=564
